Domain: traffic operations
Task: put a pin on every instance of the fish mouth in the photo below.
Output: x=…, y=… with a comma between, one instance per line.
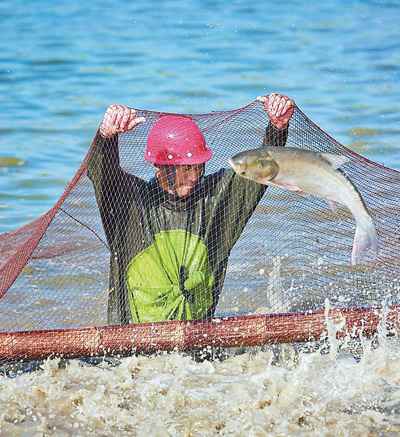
x=237, y=167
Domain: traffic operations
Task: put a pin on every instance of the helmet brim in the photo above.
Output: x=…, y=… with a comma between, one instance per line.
x=198, y=158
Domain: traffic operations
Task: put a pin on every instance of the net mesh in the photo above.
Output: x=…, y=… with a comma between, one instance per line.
x=117, y=249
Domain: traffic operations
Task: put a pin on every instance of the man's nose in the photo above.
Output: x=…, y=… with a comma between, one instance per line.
x=193, y=176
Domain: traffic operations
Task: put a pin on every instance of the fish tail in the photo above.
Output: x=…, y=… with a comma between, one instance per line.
x=365, y=238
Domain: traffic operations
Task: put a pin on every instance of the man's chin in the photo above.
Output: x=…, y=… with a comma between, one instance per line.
x=182, y=193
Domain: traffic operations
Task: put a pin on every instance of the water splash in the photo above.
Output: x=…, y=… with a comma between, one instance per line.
x=319, y=393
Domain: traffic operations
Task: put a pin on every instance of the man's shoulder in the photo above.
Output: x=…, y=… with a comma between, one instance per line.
x=219, y=176
x=217, y=183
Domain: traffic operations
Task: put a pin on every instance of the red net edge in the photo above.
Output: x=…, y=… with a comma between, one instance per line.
x=250, y=330
x=10, y=271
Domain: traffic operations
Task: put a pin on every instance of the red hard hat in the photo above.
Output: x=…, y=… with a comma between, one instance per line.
x=176, y=140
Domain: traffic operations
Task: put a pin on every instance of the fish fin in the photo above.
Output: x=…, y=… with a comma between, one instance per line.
x=335, y=161
x=289, y=187
x=299, y=191
x=365, y=238
x=332, y=205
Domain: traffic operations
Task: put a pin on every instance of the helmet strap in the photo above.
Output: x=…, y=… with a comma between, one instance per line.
x=171, y=176
x=203, y=170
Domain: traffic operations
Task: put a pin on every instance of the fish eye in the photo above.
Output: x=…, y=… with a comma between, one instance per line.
x=242, y=173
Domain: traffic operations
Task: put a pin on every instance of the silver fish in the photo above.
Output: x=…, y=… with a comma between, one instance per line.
x=306, y=172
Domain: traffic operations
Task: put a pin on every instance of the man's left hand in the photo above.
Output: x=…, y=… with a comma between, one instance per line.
x=279, y=108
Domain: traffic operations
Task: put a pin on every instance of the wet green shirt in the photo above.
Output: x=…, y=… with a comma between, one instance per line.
x=169, y=255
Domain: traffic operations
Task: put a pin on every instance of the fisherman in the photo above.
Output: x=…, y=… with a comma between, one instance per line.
x=170, y=237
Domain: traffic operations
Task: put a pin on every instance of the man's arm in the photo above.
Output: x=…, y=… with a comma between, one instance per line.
x=104, y=160
x=279, y=109
x=109, y=180
x=274, y=136
x=240, y=196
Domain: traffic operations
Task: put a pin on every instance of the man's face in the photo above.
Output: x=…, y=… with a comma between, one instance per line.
x=186, y=178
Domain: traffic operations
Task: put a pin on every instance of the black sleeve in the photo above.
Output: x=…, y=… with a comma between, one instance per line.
x=103, y=161
x=274, y=136
x=114, y=188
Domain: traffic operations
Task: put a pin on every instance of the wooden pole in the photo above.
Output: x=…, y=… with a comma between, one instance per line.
x=251, y=330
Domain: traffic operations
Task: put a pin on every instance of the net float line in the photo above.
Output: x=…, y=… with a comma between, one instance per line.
x=251, y=330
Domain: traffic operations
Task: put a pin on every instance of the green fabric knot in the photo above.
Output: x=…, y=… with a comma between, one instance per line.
x=175, y=291
x=171, y=279
x=195, y=279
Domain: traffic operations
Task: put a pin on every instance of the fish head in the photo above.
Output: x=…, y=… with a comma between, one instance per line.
x=257, y=165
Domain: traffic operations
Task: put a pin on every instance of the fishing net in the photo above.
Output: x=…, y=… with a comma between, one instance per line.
x=117, y=250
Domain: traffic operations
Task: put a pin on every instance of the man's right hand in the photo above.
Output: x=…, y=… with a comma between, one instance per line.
x=119, y=119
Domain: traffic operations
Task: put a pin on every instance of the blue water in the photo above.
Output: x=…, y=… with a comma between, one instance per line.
x=62, y=63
